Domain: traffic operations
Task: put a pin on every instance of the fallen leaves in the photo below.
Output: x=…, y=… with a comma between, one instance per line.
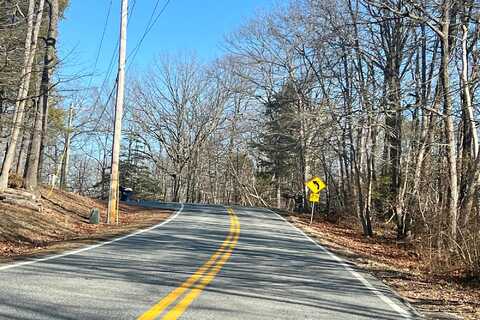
x=399, y=265
x=63, y=223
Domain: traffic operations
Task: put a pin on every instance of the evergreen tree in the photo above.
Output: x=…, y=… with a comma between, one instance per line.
x=277, y=143
x=136, y=172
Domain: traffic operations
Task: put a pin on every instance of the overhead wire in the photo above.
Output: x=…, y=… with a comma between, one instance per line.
x=97, y=56
x=150, y=24
x=131, y=57
x=107, y=76
x=109, y=71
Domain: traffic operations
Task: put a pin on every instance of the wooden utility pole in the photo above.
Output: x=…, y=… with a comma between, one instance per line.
x=112, y=214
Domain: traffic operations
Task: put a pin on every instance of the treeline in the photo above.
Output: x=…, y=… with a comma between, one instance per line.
x=378, y=97
x=381, y=99
x=30, y=119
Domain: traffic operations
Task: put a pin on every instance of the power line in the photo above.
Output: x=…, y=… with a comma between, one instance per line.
x=101, y=43
x=148, y=28
x=114, y=55
x=151, y=22
x=109, y=69
x=131, y=11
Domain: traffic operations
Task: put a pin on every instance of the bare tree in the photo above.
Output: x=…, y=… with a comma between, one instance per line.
x=176, y=109
x=34, y=17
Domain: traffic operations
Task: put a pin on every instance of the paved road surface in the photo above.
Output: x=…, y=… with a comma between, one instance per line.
x=205, y=263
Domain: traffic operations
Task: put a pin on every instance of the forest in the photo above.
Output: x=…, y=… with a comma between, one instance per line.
x=379, y=98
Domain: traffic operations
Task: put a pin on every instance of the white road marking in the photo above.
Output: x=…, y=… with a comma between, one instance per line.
x=29, y=262
x=404, y=313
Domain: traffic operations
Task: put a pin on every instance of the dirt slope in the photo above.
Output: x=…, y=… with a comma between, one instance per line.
x=63, y=223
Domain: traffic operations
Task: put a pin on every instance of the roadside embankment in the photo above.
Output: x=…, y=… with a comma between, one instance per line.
x=399, y=265
x=62, y=222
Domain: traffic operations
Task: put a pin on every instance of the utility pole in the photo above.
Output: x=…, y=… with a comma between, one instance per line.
x=112, y=214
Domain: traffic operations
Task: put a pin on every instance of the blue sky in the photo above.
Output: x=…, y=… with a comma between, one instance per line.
x=195, y=26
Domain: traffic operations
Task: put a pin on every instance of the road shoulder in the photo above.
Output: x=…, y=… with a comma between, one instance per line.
x=397, y=267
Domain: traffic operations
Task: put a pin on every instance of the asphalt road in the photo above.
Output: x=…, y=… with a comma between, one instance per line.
x=206, y=262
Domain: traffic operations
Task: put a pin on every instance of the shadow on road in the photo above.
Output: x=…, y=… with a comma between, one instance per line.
x=272, y=268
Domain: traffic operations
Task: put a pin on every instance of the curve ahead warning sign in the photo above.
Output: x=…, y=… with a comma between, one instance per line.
x=315, y=184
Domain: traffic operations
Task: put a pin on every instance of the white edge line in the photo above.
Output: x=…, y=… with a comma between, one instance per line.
x=69, y=253
x=404, y=313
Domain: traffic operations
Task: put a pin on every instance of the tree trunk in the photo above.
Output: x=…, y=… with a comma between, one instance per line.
x=30, y=49
x=32, y=174
x=471, y=181
x=66, y=158
x=279, y=194
x=22, y=154
x=449, y=125
x=176, y=188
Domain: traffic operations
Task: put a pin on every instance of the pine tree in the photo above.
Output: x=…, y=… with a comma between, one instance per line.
x=277, y=143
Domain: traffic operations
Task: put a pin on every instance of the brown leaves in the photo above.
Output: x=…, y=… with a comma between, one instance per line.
x=400, y=266
x=63, y=223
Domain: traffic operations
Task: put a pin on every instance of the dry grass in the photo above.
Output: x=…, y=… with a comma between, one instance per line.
x=63, y=224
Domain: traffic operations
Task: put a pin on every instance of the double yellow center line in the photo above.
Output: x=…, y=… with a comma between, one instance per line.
x=189, y=290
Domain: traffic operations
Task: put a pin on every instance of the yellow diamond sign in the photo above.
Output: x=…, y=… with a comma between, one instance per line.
x=316, y=184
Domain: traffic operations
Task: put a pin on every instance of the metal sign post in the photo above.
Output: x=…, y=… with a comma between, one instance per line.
x=314, y=198
x=313, y=209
